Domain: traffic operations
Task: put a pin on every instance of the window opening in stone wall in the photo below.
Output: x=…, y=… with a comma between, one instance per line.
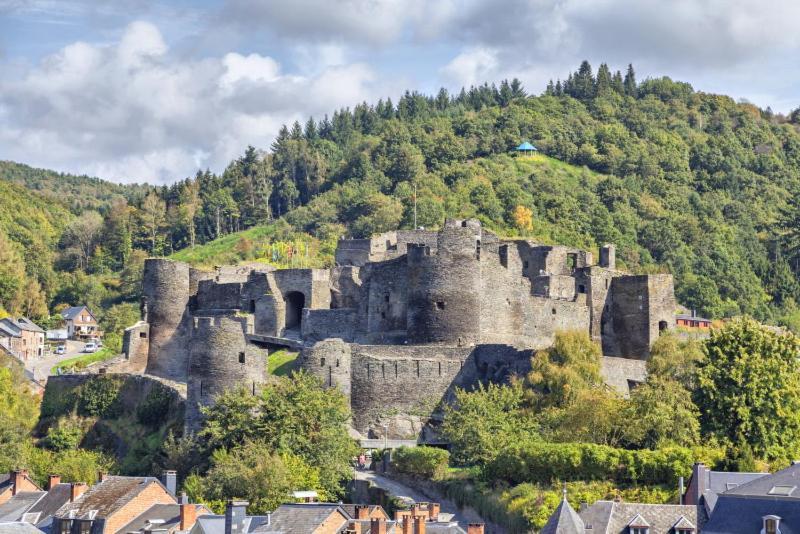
x=337, y=362
x=463, y=224
x=662, y=326
x=295, y=302
x=241, y=357
x=383, y=370
x=254, y=389
x=143, y=335
x=581, y=288
x=252, y=305
x=504, y=256
x=572, y=262
x=383, y=315
x=368, y=371
x=525, y=264
x=201, y=388
x=334, y=300
x=386, y=297
x=440, y=304
x=322, y=362
x=553, y=311
x=478, y=249
x=395, y=369
x=330, y=377
x=440, y=368
x=417, y=362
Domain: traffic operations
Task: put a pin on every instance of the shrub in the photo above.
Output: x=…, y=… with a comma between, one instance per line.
x=154, y=409
x=99, y=397
x=544, y=463
x=427, y=462
x=66, y=435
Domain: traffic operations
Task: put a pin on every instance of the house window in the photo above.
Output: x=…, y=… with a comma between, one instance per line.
x=639, y=530
x=771, y=524
x=64, y=526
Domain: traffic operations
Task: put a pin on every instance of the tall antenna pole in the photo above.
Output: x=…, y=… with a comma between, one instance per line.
x=415, y=206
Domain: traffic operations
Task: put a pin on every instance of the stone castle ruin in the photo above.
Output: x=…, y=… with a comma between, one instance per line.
x=400, y=320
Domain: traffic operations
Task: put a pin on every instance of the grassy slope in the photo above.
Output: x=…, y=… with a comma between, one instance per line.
x=253, y=244
x=282, y=362
x=83, y=360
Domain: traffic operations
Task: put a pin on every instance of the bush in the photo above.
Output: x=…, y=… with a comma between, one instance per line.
x=65, y=435
x=99, y=397
x=547, y=462
x=427, y=462
x=154, y=409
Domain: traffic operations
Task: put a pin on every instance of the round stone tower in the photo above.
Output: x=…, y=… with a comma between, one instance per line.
x=330, y=361
x=444, y=292
x=165, y=294
x=220, y=359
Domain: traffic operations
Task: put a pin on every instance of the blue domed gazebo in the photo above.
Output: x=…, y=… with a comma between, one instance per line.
x=526, y=149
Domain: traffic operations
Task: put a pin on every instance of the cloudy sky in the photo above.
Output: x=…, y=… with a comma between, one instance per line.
x=149, y=90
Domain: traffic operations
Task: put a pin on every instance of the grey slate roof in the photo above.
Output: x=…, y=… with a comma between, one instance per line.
x=564, y=520
x=19, y=504
x=721, y=481
x=215, y=524
x=300, y=518
x=26, y=324
x=614, y=517
x=7, y=330
x=18, y=528
x=761, y=486
x=107, y=496
x=50, y=503
x=71, y=313
x=734, y=514
x=168, y=515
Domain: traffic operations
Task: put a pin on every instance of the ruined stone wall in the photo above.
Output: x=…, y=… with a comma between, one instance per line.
x=269, y=315
x=213, y=295
x=221, y=359
x=662, y=305
x=136, y=346
x=345, y=287
x=323, y=324
x=314, y=284
x=554, y=286
x=444, y=288
x=596, y=284
x=629, y=318
x=166, y=291
x=387, y=299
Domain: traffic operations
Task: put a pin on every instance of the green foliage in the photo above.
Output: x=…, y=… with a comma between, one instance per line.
x=65, y=435
x=77, y=363
x=99, y=397
x=18, y=406
x=154, y=409
x=548, y=462
x=282, y=362
x=73, y=465
x=481, y=423
x=749, y=388
x=424, y=462
x=292, y=415
x=254, y=472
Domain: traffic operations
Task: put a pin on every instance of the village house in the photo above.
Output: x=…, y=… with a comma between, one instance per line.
x=705, y=485
x=692, y=320
x=22, y=337
x=36, y=508
x=80, y=323
x=15, y=482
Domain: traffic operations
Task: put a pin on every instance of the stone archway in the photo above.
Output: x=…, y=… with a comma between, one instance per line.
x=295, y=302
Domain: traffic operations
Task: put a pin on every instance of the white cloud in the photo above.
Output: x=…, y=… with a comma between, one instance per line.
x=471, y=67
x=132, y=111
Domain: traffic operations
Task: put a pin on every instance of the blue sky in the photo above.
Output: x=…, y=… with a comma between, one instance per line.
x=148, y=90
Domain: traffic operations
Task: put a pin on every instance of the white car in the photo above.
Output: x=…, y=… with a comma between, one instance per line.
x=61, y=349
x=90, y=347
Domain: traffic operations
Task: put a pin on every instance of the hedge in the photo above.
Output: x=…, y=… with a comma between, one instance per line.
x=428, y=462
x=544, y=463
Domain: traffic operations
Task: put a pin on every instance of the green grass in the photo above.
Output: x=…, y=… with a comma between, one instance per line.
x=82, y=361
x=258, y=244
x=282, y=362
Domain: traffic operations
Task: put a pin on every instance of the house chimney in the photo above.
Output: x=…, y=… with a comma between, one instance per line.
x=408, y=525
x=377, y=526
x=354, y=527
x=362, y=511
x=433, y=511
x=235, y=513
x=53, y=481
x=76, y=489
x=681, y=490
x=188, y=513
x=170, y=481
x=419, y=525
x=18, y=480
x=402, y=515
x=475, y=528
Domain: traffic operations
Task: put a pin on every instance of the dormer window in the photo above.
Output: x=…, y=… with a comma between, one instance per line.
x=638, y=525
x=771, y=524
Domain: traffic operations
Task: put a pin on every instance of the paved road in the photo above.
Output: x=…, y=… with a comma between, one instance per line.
x=41, y=367
x=397, y=489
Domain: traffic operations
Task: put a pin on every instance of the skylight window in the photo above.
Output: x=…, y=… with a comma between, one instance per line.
x=784, y=491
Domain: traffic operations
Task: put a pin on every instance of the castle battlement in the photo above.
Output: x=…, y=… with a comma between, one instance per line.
x=398, y=322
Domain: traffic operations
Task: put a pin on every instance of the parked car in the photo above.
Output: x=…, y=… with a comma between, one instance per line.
x=61, y=349
x=99, y=343
x=90, y=347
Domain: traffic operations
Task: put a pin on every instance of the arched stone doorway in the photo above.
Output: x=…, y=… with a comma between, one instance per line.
x=295, y=302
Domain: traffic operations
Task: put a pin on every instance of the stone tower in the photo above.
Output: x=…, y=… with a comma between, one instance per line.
x=221, y=359
x=444, y=287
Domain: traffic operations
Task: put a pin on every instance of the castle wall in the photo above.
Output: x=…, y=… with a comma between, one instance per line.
x=269, y=315
x=629, y=318
x=136, y=346
x=554, y=286
x=444, y=295
x=213, y=295
x=323, y=324
x=166, y=292
x=221, y=359
x=330, y=361
x=387, y=298
x=345, y=287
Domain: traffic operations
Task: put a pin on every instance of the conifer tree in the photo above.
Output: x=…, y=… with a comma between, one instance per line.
x=584, y=81
x=310, y=132
x=604, y=80
x=517, y=91
x=551, y=89
x=630, y=82
x=617, y=83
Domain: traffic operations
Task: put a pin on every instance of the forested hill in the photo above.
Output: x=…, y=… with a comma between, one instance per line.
x=686, y=182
